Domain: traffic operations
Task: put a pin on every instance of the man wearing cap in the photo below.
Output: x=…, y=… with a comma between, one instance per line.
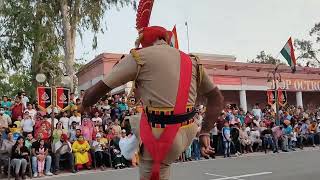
x=63, y=150
x=168, y=82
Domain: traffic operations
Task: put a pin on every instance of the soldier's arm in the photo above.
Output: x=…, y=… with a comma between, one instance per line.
x=120, y=74
x=214, y=104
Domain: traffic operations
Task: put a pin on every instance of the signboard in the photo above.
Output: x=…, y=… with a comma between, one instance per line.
x=44, y=95
x=271, y=97
x=62, y=97
x=282, y=97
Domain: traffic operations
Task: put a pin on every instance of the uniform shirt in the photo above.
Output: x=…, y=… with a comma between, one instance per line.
x=160, y=70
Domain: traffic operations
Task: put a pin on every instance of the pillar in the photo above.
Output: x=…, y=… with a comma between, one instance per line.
x=299, y=98
x=243, y=100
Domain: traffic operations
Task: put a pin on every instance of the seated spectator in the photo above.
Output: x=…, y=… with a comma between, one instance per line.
x=305, y=132
x=65, y=120
x=313, y=131
x=35, y=149
x=87, y=129
x=73, y=132
x=58, y=131
x=63, y=150
x=27, y=124
x=245, y=140
x=42, y=153
x=19, y=157
x=255, y=136
x=5, y=149
x=43, y=130
x=100, y=151
x=287, y=136
x=81, y=150
x=266, y=135
x=29, y=140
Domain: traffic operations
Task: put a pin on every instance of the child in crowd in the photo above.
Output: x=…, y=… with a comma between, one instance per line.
x=226, y=139
x=41, y=156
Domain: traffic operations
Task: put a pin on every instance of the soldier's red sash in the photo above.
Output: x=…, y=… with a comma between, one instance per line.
x=159, y=148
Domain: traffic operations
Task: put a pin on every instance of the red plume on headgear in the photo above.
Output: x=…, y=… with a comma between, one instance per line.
x=144, y=13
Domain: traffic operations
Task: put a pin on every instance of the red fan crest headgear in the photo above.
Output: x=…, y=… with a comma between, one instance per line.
x=148, y=35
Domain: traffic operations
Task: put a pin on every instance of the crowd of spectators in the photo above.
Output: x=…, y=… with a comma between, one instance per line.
x=96, y=139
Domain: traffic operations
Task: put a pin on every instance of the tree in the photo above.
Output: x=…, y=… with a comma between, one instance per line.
x=41, y=30
x=264, y=58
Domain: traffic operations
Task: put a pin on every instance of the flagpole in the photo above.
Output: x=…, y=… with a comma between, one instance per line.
x=186, y=24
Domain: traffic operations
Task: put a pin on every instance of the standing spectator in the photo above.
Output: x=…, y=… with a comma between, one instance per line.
x=87, y=129
x=96, y=119
x=5, y=103
x=82, y=92
x=116, y=128
x=35, y=148
x=234, y=133
x=214, y=137
x=75, y=118
x=73, y=132
x=27, y=124
x=63, y=149
x=81, y=149
x=226, y=139
x=24, y=99
x=115, y=112
x=65, y=120
x=32, y=112
x=241, y=117
x=58, y=131
x=19, y=155
x=17, y=109
x=256, y=111
x=5, y=120
x=52, y=119
x=123, y=106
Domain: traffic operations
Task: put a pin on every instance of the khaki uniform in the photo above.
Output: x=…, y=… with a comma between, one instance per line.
x=157, y=85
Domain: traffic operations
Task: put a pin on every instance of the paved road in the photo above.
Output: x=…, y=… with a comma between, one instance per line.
x=284, y=166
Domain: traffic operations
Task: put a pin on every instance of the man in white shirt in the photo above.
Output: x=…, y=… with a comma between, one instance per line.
x=27, y=124
x=256, y=111
x=75, y=118
x=55, y=120
x=96, y=119
x=65, y=120
x=24, y=99
x=32, y=112
x=63, y=150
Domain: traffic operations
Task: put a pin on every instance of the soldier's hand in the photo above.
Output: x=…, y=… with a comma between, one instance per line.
x=206, y=150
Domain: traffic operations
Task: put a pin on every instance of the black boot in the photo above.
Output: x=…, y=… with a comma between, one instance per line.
x=17, y=177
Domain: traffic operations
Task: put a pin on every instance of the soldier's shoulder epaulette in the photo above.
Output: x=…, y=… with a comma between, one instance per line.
x=136, y=56
x=200, y=70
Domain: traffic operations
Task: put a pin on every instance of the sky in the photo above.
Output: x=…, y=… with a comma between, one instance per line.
x=241, y=28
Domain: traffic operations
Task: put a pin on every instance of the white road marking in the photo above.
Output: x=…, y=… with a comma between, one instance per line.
x=245, y=175
x=221, y=176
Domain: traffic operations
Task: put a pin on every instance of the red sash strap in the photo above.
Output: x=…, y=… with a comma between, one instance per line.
x=159, y=148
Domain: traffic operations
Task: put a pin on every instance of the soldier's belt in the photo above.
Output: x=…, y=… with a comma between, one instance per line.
x=159, y=118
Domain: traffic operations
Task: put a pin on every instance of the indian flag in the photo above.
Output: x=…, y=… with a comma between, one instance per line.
x=288, y=53
x=174, y=38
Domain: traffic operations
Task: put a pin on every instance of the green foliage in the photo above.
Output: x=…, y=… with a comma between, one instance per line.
x=264, y=58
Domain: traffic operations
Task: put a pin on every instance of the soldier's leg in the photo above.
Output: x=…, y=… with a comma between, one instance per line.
x=182, y=140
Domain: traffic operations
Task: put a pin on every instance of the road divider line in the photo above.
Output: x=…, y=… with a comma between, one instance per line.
x=242, y=176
